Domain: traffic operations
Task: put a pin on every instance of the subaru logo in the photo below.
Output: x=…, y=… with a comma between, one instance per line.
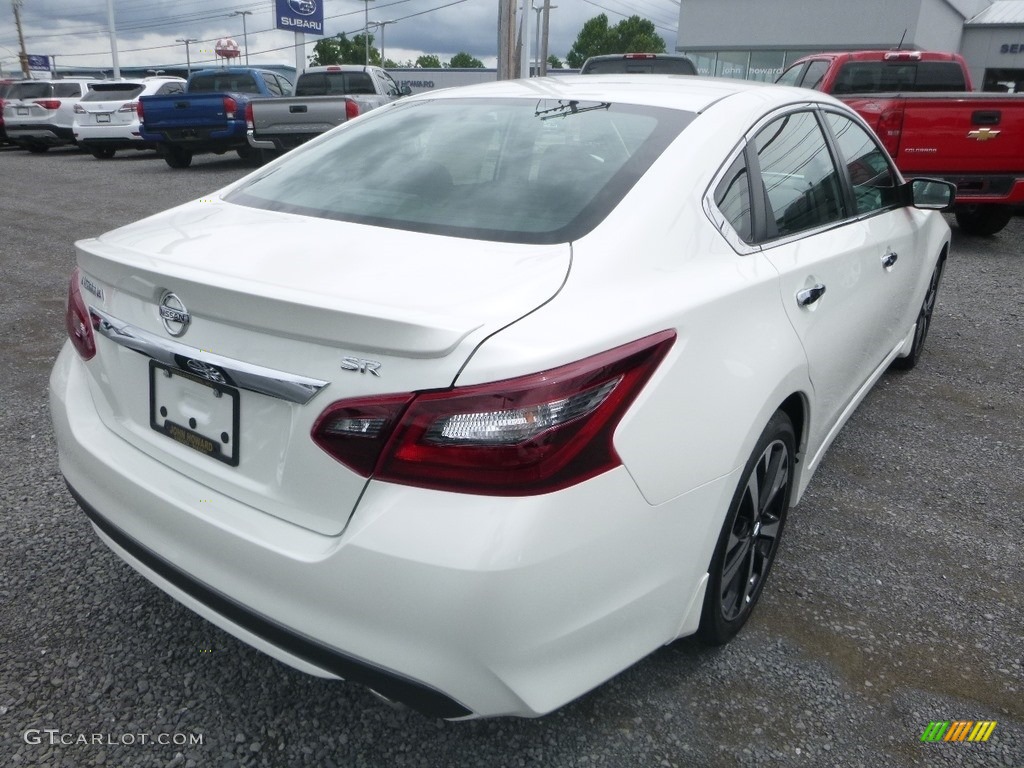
x=303, y=7
x=174, y=315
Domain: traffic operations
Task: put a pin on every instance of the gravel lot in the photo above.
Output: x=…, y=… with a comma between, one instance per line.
x=898, y=598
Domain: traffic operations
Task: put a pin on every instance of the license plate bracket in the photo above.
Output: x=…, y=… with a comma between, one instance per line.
x=103, y=117
x=199, y=414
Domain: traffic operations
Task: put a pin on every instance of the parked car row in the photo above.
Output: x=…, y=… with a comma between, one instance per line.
x=226, y=109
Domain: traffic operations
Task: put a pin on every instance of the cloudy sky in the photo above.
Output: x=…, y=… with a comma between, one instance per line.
x=76, y=31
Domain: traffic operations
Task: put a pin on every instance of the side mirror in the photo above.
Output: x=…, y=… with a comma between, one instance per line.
x=930, y=194
x=405, y=90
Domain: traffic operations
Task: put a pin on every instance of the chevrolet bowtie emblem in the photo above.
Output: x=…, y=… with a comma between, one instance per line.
x=983, y=134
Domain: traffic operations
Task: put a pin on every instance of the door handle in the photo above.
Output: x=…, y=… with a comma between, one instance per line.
x=808, y=296
x=889, y=259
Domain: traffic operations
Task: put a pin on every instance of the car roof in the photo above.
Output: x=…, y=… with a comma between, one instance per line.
x=685, y=92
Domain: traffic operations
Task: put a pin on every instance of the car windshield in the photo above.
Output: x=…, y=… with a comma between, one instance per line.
x=114, y=91
x=514, y=170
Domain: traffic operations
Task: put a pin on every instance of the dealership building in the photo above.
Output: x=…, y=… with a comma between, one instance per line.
x=756, y=40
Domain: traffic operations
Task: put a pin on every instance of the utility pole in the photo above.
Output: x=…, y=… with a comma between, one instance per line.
x=380, y=25
x=245, y=34
x=536, y=46
x=188, y=54
x=366, y=30
x=524, y=42
x=22, y=56
x=544, y=38
x=113, y=39
x=506, y=39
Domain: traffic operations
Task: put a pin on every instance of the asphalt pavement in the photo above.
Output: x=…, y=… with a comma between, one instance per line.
x=897, y=599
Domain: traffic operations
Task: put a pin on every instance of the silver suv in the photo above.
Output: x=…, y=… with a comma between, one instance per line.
x=38, y=114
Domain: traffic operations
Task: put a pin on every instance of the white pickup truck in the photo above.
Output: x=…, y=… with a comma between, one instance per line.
x=324, y=97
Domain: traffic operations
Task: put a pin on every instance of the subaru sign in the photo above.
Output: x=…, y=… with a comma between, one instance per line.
x=300, y=16
x=38, y=63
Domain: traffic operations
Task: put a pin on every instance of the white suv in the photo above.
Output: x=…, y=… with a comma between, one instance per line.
x=38, y=113
x=107, y=118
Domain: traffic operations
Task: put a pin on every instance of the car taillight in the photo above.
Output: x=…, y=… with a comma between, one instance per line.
x=230, y=105
x=351, y=109
x=248, y=117
x=138, y=111
x=77, y=320
x=79, y=109
x=530, y=435
x=48, y=103
x=640, y=56
x=129, y=106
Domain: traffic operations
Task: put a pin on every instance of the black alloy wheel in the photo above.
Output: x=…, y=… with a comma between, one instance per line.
x=924, y=320
x=751, y=534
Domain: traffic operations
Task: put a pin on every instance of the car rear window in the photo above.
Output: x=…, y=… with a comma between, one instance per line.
x=114, y=91
x=885, y=77
x=30, y=91
x=512, y=170
x=326, y=83
x=656, y=65
x=223, y=83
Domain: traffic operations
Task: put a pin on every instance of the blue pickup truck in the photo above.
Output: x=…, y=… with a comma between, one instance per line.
x=209, y=116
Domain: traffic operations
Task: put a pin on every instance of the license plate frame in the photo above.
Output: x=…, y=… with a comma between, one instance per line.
x=169, y=399
x=103, y=117
x=21, y=110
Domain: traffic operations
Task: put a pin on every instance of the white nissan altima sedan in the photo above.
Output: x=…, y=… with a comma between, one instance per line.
x=484, y=396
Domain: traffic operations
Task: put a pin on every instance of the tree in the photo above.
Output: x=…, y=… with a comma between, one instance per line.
x=463, y=60
x=340, y=50
x=632, y=35
x=554, y=62
x=428, y=61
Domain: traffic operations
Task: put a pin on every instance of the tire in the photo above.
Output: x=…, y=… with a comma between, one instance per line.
x=983, y=220
x=751, y=534
x=37, y=149
x=103, y=153
x=924, y=319
x=178, y=158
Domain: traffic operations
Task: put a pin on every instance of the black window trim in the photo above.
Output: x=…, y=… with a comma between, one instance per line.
x=759, y=205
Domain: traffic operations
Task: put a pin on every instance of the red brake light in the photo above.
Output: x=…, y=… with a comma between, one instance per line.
x=351, y=109
x=77, y=320
x=249, y=123
x=640, y=56
x=230, y=105
x=48, y=103
x=138, y=111
x=129, y=106
x=530, y=435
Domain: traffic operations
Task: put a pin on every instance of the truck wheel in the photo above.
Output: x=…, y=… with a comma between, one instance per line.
x=983, y=219
x=250, y=155
x=37, y=148
x=178, y=158
x=104, y=153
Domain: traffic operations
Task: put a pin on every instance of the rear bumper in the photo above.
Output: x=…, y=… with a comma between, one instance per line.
x=40, y=133
x=983, y=189
x=455, y=604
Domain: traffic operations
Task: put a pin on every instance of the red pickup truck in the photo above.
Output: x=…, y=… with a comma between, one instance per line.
x=921, y=106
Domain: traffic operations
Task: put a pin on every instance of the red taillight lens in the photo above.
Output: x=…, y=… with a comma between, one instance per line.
x=48, y=103
x=230, y=105
x=248, y=117
x=77, y=321
x=351, y=109
x=78, y=109
x=517, y=437
x=129, y=106
x=138, y=111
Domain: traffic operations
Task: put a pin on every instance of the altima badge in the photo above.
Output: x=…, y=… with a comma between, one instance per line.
x=174, y=315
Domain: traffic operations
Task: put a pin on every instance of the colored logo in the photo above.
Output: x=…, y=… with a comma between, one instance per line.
x=958, y=730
